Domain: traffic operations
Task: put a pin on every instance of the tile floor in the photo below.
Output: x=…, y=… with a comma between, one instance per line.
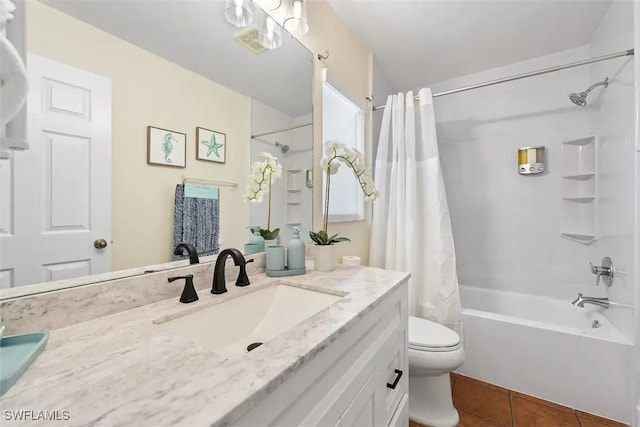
x=485, y=405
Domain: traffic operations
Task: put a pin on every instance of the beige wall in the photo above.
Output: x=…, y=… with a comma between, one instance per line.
x=349, y=70
x=148, y=90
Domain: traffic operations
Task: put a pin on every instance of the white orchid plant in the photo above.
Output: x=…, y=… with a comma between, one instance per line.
x=335, y=155
x=263, y=173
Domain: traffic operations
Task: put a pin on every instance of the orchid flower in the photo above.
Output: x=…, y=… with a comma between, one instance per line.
x=335, y=155
x=263, y=173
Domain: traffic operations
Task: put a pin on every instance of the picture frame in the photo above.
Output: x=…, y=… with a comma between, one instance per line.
x=166, y=147
x=211, y=145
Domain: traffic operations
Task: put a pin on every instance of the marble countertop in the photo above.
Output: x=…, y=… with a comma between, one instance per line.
x=120, y=371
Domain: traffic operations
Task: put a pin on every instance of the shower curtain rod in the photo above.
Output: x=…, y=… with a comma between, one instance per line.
x=281, y=130
x=628, y=52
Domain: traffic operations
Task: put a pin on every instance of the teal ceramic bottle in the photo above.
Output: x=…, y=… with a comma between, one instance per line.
x=295, y=251
x=256, y=242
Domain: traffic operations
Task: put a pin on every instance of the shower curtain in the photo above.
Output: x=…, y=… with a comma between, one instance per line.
x=411, y=229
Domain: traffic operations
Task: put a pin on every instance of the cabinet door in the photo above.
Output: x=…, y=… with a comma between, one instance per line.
x=401, y=416
x=395, y=367
x=368, y=407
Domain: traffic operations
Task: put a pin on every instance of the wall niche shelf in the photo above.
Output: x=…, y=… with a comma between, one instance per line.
x=581, y=176
x=293, y=185
x=580, y=199
x=580, y=190
x=585, y=239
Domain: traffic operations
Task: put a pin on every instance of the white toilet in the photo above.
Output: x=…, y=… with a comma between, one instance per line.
x=434, y=351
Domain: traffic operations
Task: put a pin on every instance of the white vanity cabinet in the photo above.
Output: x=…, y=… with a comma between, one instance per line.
x=348, y=383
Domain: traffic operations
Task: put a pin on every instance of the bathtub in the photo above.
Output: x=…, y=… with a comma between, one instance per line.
x=548, y=348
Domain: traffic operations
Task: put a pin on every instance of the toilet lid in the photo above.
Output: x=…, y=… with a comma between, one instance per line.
x=425, y=334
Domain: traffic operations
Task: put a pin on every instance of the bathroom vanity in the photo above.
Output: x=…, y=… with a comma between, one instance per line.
x=360, y=379
x=333, y=353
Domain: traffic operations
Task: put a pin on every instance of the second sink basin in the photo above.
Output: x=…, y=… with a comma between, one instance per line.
x=256, y=317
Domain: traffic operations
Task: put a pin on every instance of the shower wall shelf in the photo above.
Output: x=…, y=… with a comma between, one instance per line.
x=293, y=211
x=580, y=199
x=585, y=239
x=580, y=190
x=581, y=176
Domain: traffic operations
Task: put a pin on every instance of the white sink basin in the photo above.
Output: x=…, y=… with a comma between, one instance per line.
x=256, y=317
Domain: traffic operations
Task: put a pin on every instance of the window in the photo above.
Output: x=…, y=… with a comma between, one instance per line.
x=343, y=121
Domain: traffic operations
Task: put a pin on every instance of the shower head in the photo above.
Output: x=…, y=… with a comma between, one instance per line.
x=580, y=99
x=283, y=147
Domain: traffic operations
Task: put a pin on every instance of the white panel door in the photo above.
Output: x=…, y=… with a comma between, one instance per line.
x=56, y=196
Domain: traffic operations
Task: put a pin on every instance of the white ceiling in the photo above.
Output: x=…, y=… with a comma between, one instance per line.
x=195, y=35
x=418, y=42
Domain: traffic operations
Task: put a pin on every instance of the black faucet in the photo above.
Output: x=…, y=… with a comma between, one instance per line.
x=219, y=284
x=191, y=250
x=189, y=292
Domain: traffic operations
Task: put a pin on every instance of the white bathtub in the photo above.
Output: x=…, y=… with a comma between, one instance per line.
x=547, y=348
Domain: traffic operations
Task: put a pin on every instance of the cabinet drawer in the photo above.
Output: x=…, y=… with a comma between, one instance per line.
x=396, y=373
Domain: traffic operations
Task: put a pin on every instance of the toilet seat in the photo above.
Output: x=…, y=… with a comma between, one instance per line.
x=425, y=335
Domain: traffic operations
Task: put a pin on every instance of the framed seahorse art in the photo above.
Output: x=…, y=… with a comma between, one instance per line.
x=211, y=145
x=166, y=147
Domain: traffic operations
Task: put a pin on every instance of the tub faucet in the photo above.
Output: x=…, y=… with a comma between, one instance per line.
x=581, y=301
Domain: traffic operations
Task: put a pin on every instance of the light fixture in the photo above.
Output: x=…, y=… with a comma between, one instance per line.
x=270, y=35
x=270, y=5
x=238, y=12
x=296, y=22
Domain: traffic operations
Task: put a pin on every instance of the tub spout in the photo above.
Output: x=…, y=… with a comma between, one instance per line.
x=580, y=301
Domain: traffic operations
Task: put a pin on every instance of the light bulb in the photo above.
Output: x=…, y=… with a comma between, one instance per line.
x=271, y=5
x=297, y=9
x=296, y=22
x=270, y=34
x=238, y=12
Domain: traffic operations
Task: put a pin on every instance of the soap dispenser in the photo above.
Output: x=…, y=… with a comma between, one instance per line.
x=256, y=241
x=295, y=251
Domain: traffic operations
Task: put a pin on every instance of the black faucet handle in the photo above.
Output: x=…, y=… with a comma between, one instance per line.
x=189, y=293
x=243, y=279
x=186, y=277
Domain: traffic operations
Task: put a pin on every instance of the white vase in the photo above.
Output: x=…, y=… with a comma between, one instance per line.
x=324, y=257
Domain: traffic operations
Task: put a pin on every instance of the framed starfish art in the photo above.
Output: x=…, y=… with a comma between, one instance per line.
x=211, y=145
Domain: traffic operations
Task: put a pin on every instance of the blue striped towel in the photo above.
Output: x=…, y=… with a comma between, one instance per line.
x=196, y=221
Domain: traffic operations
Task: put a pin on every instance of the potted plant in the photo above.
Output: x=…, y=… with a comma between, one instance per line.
x=263, y=173
x=337, y=154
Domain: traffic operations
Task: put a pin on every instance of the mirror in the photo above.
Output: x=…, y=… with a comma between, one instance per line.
x=129, y=100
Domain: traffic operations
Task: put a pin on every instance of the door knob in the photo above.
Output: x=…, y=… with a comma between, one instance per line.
x=100, y=244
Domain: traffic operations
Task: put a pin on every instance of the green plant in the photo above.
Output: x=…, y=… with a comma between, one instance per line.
x=263, y=173
x=269, y=234
x=321, y=238
x=335, y=154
